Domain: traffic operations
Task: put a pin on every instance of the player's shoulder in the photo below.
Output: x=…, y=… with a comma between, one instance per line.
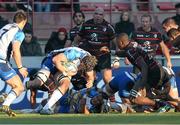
x=10, y=26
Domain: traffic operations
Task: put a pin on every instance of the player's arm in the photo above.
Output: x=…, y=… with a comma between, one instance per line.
x=89, y=78
x=68, y=43
x=79, y=36
x=17, y=54
x=76, y=41
x=58, y=62
x=112, y=35
x=144, y=73
x=165, y=51
x=17, y=58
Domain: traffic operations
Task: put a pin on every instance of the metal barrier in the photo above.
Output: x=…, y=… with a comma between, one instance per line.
x=35, y=62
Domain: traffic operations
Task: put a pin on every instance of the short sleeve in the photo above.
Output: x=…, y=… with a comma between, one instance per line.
x=19, y=36
x=72, y=54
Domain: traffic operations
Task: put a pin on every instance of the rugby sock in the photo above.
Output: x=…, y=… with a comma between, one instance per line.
x=10, y=98
x=57, y=94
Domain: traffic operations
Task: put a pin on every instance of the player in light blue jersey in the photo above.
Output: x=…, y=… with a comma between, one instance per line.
x=11, y=37
x=67, y=61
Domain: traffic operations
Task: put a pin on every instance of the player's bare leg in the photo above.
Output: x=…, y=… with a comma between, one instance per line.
x=56, y=95
x=17, y=89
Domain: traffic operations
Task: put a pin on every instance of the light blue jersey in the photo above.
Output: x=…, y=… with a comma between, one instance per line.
x=71, y=53
x=8, y=34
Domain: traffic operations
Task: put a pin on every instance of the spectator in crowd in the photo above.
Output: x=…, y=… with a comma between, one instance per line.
x=2, y=6
x=43, y=6
x=78, y=18
x=66, y=5
x=124, y=25
x=24, y=5
x=28, y=27
x=168, y=24
x=177, y=17
x=8, y=6
x=143, y=5
x=150, y=38
x=30, y=45
x=57, y=40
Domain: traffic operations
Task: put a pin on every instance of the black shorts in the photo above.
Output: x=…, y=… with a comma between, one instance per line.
x=157, y=77
x=104, y=62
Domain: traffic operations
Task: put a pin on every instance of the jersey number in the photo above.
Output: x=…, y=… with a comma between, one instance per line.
x=3, y=32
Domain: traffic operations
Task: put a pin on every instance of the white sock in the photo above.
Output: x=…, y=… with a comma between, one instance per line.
x=53, y=99
x=10, y=98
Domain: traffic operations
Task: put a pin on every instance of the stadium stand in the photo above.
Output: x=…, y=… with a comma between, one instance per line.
x=165, y=6
x=46, y=22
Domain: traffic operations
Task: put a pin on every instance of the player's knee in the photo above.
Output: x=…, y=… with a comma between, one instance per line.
x=65, y=84
x=18, y=86
x=21, y=88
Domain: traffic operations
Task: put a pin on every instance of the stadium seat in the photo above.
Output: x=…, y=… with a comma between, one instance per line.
x=3, y=10
x=165, y=6
x=122, y=6
x=87, y=7
x=106, y=6
x=143, y=5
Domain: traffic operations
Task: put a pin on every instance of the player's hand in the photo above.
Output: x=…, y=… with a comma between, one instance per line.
x=70, y=69
x=169, y=64
x=71, y=73
x=126, y=61
x=23, y=71
x=89, y=85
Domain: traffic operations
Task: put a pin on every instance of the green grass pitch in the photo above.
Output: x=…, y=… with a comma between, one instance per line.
x=138, y=118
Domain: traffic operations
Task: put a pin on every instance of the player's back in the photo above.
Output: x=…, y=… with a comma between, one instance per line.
x=71, y=53
x=7, y=34
x=123, y=83
x=136, y=54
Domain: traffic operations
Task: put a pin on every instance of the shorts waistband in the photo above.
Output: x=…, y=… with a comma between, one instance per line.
x=3, y=61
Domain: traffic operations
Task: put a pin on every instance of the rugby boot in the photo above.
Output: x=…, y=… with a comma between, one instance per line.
x=7, y=110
